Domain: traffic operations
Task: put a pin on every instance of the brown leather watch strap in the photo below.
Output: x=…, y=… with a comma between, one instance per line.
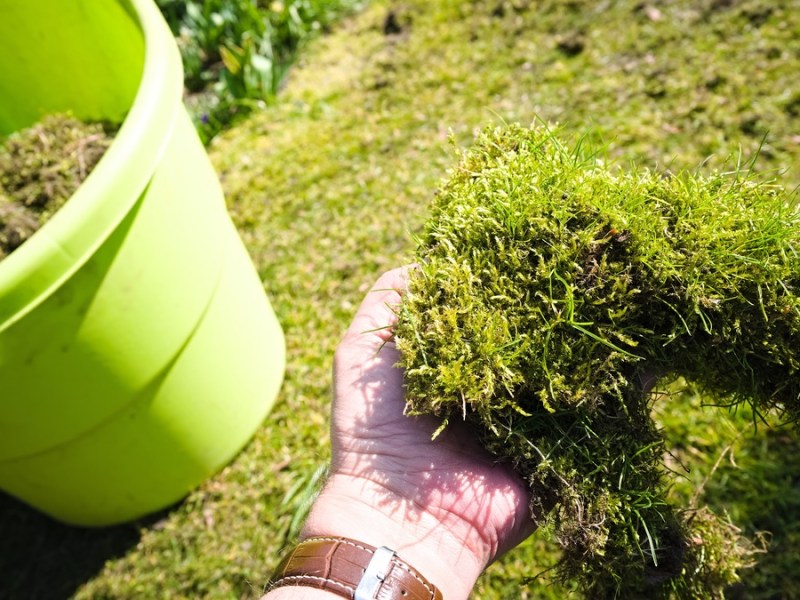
x=352, y=570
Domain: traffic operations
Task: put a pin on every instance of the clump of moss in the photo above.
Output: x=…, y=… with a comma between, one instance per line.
x=552, y=290
x=17, y=224
x=40, y=168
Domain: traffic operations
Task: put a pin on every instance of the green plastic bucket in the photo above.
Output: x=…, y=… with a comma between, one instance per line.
x=138, y=351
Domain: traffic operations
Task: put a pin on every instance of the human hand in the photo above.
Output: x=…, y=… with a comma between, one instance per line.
x=445, y=505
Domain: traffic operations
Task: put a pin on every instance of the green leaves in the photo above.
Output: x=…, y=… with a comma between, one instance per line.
x=237, y=52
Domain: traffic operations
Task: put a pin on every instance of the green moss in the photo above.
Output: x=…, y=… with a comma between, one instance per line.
x=551, y=287
x=40, y=168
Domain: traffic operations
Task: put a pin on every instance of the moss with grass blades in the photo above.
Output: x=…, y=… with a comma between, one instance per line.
x=553, y=290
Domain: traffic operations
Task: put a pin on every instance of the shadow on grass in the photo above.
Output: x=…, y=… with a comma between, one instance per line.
x=43, y=559
x=763, y=494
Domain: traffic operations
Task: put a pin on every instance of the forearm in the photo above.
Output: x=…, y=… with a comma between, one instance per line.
x=299, y=593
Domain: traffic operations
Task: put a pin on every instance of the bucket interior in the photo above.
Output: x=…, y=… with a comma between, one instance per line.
x=77, y=56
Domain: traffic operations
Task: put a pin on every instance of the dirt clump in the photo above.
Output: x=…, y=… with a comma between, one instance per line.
x=40, y=168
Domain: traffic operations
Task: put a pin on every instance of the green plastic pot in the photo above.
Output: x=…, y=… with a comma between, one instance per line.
x=138, y=351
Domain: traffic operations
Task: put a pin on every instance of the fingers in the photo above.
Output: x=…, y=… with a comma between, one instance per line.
x=378, y=311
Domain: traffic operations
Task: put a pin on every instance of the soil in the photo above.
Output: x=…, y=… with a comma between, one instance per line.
x=40, y=168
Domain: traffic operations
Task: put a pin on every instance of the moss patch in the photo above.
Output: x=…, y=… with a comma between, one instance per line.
x=40, y=168
x=552, y=288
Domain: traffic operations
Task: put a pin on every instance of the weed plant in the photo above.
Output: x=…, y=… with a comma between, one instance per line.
x=237, y=52
x=553, y=291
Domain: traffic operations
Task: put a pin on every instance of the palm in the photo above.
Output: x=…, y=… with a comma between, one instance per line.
x=450, y=476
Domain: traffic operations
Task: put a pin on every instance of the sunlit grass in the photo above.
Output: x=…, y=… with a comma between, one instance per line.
x=327, y=185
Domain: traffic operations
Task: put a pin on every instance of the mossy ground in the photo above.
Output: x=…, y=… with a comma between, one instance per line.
x=326, y=189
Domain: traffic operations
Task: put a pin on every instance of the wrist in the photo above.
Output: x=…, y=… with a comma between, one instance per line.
x=442, y=547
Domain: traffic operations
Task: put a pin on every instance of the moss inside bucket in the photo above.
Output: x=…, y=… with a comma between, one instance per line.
x=40, y=168
x=553, y=291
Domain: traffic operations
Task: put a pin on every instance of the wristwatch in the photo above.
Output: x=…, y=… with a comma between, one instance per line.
x=352, y=570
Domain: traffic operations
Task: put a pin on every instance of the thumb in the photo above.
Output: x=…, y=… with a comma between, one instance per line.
x=377, y=314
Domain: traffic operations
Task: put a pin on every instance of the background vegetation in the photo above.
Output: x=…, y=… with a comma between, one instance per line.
x=237, y=52
x=327, y=185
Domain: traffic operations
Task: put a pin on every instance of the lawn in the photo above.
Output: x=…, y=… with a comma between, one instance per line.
x=328, y=186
